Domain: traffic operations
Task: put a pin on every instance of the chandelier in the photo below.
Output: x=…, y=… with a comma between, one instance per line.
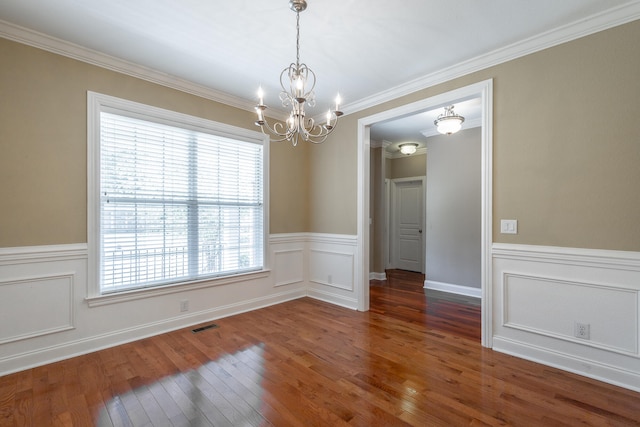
x=448, y=122
x=297, y=82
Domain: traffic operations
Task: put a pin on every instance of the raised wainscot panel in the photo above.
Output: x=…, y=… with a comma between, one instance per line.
x=35, y=306
x=330, y=268
x=288, y=266
x=552, y=307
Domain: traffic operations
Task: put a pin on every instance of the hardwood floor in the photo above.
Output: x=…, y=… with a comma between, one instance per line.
x=414, y=359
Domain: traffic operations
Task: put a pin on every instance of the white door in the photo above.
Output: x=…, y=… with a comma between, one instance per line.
x=407, y=219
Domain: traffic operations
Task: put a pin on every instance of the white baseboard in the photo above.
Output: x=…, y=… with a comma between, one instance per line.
x=55, y=353
x=377, y=276
x=569, y=362
x=453, y=289
x=302, y=264
x=333, y=298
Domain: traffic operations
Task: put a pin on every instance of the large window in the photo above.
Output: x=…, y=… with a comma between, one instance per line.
x=175, y=198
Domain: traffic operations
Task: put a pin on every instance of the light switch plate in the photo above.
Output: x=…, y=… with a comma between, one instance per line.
x=509, y=226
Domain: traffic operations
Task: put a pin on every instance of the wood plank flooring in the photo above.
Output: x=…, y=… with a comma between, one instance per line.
x=414, y=359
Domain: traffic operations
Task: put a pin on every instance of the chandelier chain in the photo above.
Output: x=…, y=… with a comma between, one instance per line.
x=297, y=39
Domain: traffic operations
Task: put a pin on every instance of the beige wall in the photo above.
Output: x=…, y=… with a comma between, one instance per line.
x=566, y=152
x=565, y=140
x=332, y=178
x=43, y=145
x=407, y=166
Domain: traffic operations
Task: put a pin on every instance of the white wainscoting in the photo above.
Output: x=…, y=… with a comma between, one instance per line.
x=540, y=293
x=332, y=269
x=45, y=316
x=45, y=304
x=289, y=253
x=38, y=288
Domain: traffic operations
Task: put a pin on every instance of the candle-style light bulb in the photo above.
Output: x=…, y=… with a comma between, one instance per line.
x=329, y=118
x=299, y=86
x=338, y=101
x=261, y=95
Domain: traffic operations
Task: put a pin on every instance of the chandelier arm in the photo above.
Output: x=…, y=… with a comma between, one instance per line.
x=281, y=135
x=314, y=130
x=319, y=141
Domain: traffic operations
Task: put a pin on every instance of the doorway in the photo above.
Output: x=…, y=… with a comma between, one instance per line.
x=483, y=90
x=406, y=224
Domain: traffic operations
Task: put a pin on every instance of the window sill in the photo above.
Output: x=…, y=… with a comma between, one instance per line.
x=136, y=294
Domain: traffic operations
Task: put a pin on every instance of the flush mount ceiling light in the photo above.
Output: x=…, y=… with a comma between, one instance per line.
x=448, y=122
x=408, y=149
x=301, y=81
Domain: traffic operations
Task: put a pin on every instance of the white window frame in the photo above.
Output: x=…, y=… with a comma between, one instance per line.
x=98, y=103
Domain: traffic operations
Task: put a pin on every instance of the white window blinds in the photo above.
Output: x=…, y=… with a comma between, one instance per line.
x=176, y=204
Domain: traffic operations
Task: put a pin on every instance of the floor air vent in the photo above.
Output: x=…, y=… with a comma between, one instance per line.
x=204, y=328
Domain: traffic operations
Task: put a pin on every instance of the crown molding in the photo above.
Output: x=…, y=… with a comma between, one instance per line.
x=611, y=18
x=61, y=47
x=595, y=23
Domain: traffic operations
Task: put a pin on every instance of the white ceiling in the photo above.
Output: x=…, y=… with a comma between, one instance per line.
x=361, y=49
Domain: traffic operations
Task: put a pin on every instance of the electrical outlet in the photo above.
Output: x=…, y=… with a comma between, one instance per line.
x=582, y=330
x=184, y=305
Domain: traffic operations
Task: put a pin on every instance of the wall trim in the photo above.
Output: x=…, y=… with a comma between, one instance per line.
x=453, y=289
x=296, y=279
x=330, y=268
x=598, y=278
x=377, y=276
x=631, y=294
x=592, y=24
x=337, y=285
x=340, y=239
x=27, y=350
x=32, y=282
x=45, y=253
x=569, y=362
x=333, y=298
x=70, y=50
x=54, y=353
x=600, y=258
x=289, y=238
